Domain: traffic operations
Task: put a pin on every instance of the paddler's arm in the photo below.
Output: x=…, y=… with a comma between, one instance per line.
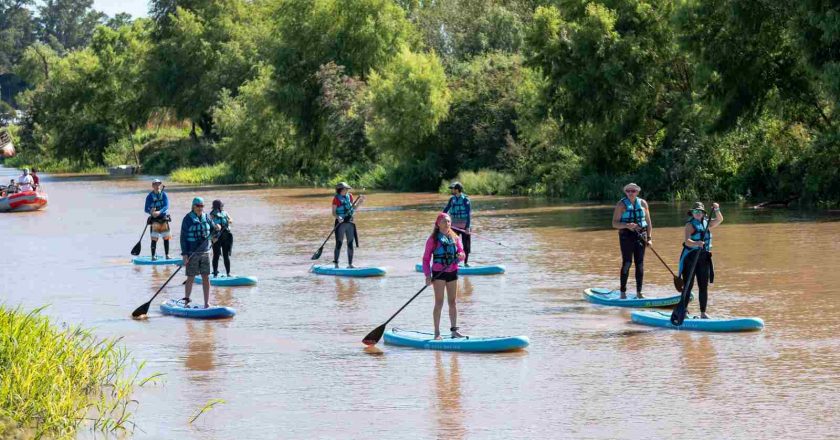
x=460, y=248
x=185, y=247
x=468, y=206
x=649, y=221
x=148, y=206
x=427, y=259
x=448, y=206
x=165, y=209
x=617, y=213
x=717, y=216
x=689, y=229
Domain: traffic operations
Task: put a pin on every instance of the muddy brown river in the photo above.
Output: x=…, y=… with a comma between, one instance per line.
x=290, y=364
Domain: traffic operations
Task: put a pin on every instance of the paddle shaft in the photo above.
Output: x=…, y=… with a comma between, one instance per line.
x=479, y=236
x=660, y=259
x=678, y=315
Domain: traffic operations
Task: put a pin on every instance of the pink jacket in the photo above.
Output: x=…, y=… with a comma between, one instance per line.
x=428, y=267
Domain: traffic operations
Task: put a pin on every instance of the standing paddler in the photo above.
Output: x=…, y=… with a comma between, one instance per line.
x=223, y=245
x=157, y=206
x=440, y=265
x=698, y=246
x=343, y=209
x=460, y=211
x=196, y=228
x=631, y=217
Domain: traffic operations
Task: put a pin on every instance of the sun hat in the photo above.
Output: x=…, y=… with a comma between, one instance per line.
x=198, y=201
x=632, y=185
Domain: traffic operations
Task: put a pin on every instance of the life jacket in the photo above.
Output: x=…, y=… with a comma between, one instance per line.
x=221, y=218
x=345, y=206
x=157, y=201
x=633, y=214
x=458, y=211
x=446, y=250
x=200, y=227
x=701, y=233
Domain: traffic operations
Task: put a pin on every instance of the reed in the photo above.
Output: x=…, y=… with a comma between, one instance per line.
x=54, y=380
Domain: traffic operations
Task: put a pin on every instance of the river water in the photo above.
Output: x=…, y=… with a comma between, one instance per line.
x=291, y=364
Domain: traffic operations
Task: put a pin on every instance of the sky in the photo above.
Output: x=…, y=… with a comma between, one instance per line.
x=137, y=8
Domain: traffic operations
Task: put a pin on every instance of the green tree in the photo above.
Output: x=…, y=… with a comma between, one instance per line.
x=409, y=99
x=68, y=24
x=17, y=31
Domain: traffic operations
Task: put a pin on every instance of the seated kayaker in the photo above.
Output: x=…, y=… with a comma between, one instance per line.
x=36, y=181
x=696, y=258
x=440, y=265
x=25, y=181
x=12, y=188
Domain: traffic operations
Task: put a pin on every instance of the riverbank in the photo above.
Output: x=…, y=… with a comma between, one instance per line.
x=55, y=380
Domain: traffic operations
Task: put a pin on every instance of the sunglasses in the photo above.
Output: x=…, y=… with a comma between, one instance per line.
x=200, y=206
x=631, y=191
x=697, y=211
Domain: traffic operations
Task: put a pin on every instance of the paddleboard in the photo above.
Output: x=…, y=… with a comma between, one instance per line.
x=232, y=280
x=607, y=297
x=176, y=308
x=160, y=261
x=661, y=319
x=347, y=272
x=473, y=270
x=410, y=338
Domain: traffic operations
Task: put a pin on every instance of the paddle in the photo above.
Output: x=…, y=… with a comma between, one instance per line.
x=373, y=337
x=678, y=314
x=139, y=247
x=479, y=236
x=678, y=282
x=144, y=309
x=317, y=254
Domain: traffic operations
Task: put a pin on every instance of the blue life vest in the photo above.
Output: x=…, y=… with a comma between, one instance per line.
x=459, y=212
x=199, y=229
x=157, y=201
x=446, y=250
x=701, y=233
x=345, y=206
x=221, y=218
x=633, y=214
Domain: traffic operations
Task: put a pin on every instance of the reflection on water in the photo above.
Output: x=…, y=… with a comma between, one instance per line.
x=450, y=415
x=290, y=364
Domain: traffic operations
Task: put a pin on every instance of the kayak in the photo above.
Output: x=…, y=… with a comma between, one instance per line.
x=148, y=261
x=24, y=201
x=176, y=308
x=607, y=297
x=662, y=319
x=473, y=270
x=349, y=272
x=410, y=338
x=229, y=281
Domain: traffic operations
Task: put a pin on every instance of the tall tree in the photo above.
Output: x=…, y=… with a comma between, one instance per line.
x=17, y=31
x=68, y=23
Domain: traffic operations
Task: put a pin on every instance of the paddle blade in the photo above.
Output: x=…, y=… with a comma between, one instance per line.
x=317, y=254
x=136, y=249
x=678, y=284
x=373, y=337
x=142, y=310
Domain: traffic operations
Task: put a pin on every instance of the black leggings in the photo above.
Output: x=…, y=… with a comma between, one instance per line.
x=465, y=242
x=222, y=246
x=632, y=251
x=702, y=273
x=346, y=230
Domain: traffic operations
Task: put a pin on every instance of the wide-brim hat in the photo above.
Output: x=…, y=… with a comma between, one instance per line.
x=697, y=206
x=633, y=186
x=342, y=185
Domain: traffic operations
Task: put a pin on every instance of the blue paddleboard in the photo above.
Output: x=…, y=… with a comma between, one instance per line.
x=661, y=319
x=607, y=297
x=473, y=270
x=347, y=272
x=410, y=338
x=147, y=261
x=176, y=308
x=232, y=280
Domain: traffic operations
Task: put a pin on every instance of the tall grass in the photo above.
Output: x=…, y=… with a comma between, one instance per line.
x=54, y=381
x=486, y=182
x=220, y=173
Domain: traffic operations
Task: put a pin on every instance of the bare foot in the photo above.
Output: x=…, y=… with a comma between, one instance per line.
x=437, y=337
x=206, y=306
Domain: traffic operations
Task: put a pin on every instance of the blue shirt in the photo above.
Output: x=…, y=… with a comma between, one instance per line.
x=160, y=201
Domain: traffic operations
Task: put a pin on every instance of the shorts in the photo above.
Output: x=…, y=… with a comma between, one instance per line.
x=199, y=264
x=445, y=276
x=161, y=230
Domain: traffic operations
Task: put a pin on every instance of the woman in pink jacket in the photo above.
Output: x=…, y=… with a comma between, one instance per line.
x=440, y=264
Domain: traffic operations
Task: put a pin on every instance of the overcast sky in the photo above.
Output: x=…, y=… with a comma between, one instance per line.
x=137, y=8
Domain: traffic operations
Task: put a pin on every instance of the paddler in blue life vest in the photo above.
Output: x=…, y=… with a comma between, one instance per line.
x=635, y=230
x=343, y=208
x=698, y=244
x=460, y=210
x=157, y=206
x=196, y=230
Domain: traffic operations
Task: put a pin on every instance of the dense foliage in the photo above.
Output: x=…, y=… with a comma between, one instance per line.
x=572, y=98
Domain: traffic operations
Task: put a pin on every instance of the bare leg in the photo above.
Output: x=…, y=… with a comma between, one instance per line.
x=188, y=287
x=439, y=287
x=205, y=285
x=452, y=296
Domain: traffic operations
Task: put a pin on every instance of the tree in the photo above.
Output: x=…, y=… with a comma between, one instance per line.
x=409, y=98
x=17, y=31
x=68, y=23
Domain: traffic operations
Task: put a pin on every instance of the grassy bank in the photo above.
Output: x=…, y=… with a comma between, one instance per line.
x=54, y=381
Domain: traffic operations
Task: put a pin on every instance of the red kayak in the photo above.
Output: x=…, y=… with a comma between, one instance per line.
x=23, y=201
